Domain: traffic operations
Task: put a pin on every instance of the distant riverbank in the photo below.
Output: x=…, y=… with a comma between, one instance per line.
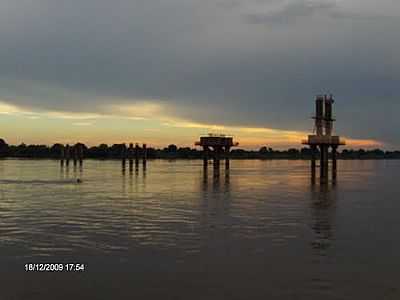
x=116, y=151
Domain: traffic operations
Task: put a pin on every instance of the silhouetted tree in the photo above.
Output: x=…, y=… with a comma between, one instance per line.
x=172, y=148
x=263, y=150
x=55, y=150
x=4, y=150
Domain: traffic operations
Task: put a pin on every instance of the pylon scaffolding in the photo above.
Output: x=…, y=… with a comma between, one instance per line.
x=323, y=139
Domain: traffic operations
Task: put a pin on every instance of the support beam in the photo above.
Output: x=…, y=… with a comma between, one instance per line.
x=326, y=168
x=216, y=176
x=313, y=164
x=216, y=167
x=75, y=154
x=217, y=151
x=130, y=157
x=334, y=163
x=67, y=154
x=80, y=154
x=136, y=156
x=123, y=156
x=205, y=157
x=322, y=164
x=144, y=155
x=227, y=154
x=62, y=156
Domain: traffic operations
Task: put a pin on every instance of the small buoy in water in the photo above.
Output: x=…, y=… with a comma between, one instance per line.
x=79, y=180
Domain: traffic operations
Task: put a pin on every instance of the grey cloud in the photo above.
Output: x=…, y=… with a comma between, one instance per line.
x=202, y=61
x=362, y=17
x=297, y=10
x=291, y=12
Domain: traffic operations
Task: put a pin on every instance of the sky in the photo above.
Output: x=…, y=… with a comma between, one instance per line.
x=166, y=71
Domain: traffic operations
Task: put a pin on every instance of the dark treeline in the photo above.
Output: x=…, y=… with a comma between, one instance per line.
x=104, y=151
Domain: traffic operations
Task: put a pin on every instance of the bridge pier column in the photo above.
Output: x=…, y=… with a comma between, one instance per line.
x=144, y=156
x=123, y=156
x=313, y=163
x=67, y=154
x=227, y=157
x=136, y=156
x=75, y=154
x=334, y=163
x=323, y=163
x=205, y=157
x=62, y=154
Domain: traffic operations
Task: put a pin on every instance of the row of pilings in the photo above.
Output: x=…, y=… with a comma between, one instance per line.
x=74, y=153
x=133, y=154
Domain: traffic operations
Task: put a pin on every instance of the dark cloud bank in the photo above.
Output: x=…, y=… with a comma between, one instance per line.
x=250, y=63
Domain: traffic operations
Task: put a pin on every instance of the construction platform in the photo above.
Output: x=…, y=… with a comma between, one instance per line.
x=215, y=146
x=316, y=140
x=216, y=140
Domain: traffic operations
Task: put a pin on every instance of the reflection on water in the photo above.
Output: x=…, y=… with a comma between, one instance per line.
x=260, y=229
x=323, y=200
x=219, y=183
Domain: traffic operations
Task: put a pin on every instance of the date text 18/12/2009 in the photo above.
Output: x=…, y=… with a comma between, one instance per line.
x=55, y=267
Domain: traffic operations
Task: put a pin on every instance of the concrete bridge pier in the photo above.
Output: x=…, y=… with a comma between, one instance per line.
x=136, y=157
x=144, y=156
x=216, y=157
x=75, y=154
x=130, y=157
x=313, y=163
x=217, y=147
x=123, y=156
x=62, y=156
x=67, y=155
x=323, y=139
x=80, y=155
x=206, y=151
x=323, y=164
x=334, y=163
x=227, y=157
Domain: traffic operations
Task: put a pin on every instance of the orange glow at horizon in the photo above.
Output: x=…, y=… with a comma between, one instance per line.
x=143, y=123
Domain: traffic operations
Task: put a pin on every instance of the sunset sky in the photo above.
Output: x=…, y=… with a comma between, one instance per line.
x=166, y=71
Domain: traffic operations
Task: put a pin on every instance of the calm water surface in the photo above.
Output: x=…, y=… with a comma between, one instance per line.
x=261, y=231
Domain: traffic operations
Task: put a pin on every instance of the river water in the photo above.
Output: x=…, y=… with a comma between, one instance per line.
x=258, y=231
